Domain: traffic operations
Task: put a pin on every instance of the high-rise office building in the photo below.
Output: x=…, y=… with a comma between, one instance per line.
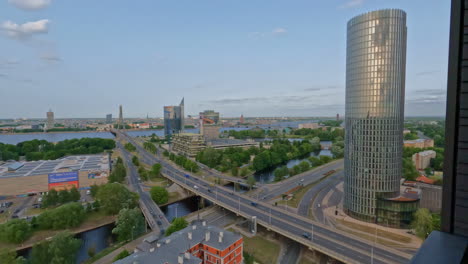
x=375, y=92
x=121, y=125
x=109, y=119
x=50, y=120
x=174, y=119
x=209, y=128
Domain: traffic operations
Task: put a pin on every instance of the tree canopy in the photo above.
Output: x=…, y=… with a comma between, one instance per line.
x=65, y=216
x=177, y=224
x=114, y=196
x=61, y=249
x=44, y=150
x=159, y=195
x=15, y=231
x=129, y=224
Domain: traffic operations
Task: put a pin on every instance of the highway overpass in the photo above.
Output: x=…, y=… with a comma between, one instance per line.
x=337, y=244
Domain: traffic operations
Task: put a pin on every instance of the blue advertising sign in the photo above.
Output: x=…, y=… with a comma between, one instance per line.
x=63, y=177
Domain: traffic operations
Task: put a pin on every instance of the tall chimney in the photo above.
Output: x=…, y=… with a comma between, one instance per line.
x=187, y=255
x=180, y=259
x=189, y=235
x=221, y=234
x=207, y=236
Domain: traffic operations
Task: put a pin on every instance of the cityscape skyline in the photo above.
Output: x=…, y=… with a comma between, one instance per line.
x=268, y=68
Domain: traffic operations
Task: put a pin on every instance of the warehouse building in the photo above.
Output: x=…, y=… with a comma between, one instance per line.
x=35, y=177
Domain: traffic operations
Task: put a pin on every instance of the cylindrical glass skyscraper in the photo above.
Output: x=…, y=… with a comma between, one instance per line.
x=375, y=93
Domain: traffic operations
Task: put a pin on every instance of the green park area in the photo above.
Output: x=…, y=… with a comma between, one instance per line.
x=263, y=250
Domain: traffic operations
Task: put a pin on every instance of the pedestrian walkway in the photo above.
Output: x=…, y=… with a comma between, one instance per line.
x=130, y=247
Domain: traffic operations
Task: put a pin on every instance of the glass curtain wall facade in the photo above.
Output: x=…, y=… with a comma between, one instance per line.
x=375, y=86
x=174, y=119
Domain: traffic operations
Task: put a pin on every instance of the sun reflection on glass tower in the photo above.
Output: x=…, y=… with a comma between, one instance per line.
x=375, y=87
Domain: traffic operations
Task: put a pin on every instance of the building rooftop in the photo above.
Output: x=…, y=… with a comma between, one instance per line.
x=426, y=153
x=168, y=250
x=424, y=179
x=407, y=194
x=69, y=163
x=419, y=140
x=225, y=141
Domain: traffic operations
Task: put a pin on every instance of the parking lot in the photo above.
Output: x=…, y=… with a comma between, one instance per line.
x=28, y=206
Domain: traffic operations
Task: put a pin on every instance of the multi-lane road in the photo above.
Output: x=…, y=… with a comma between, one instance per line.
x=335, y=243
x=306, y=178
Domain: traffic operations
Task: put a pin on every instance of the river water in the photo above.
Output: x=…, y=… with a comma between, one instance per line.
x=268, y=176
x=55, y=137
x=101, y=237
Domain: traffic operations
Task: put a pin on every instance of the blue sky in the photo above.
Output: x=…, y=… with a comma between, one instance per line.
x=82, y=58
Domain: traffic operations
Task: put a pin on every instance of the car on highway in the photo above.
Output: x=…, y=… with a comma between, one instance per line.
x=307, y=235
x=187, y=176
x=209, y=190
x=88, y=192
x=195, y=187
x=253, y=203
x=159, y=222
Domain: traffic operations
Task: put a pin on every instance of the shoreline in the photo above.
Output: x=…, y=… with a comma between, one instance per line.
x=54, y=132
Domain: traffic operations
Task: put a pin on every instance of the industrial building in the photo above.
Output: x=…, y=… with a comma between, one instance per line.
x=189, y=144
x=33, y=177
x=198, y=243
x=375, y=92
x=174, y=119
x=422, y=159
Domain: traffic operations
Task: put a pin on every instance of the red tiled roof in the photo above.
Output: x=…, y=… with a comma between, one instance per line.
x=424, y=179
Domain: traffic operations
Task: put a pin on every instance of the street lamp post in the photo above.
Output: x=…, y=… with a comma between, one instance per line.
x=312, y=234
x=373, y=245
x=270, y=216
x=176, y=207
x=239, y=204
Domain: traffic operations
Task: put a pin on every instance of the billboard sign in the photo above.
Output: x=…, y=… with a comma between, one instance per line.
x=63, y=177
x=63, y=180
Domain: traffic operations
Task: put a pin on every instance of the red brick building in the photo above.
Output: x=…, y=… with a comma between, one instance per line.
x=196, y=244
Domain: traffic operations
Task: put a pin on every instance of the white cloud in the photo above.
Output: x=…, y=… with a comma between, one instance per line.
x=352, y=3
x=26, y=30
x=279, y=31
x=50, y=57
x=30, y=4
x=275, y=32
